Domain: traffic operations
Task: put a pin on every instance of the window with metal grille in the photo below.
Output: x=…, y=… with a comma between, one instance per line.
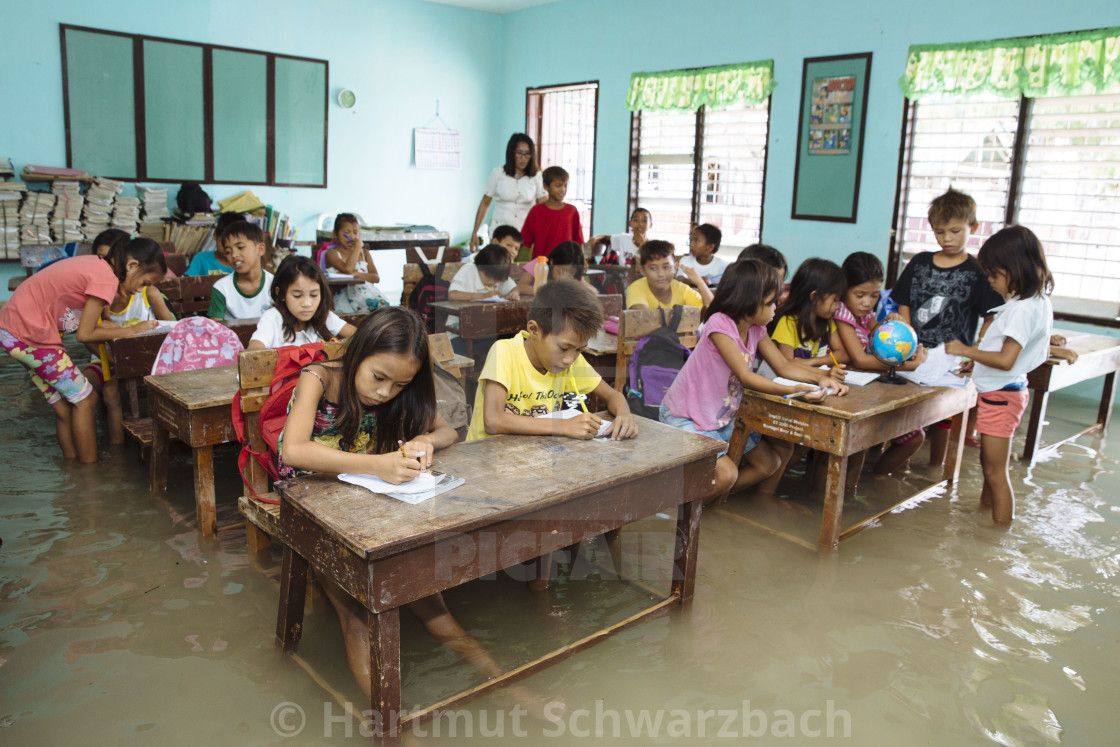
x=562, y=121
x=1050, y=164
x=707, y=166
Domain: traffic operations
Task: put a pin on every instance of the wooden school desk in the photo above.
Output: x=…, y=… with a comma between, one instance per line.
x=843, y=426
x=387, y=553
x=197, y=406
x=1097, y=355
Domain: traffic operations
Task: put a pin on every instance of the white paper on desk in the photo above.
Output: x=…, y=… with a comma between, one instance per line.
x=162, y=327
x=937, y=370
x=856, y=378
x=418, y=490
x=331, y=275
x=566, y=414
x=492, y=299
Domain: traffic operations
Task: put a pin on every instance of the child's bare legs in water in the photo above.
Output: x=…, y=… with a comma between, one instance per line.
x=996, y=493
x=439, y=622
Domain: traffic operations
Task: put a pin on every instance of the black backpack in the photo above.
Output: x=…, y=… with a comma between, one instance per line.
x=429, y=290
x=192, y=199
x=658, y=358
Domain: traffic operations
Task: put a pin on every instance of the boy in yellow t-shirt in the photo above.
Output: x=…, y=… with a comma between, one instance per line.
x=529, y=374
x=658, y=289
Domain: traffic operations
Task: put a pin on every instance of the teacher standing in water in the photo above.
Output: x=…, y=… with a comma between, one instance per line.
x=513, y=188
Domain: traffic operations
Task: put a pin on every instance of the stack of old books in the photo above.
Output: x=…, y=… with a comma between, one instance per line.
x=99, y=206
x=153, y=219
x=10, y=195
x=34, y=218
x=66, y=220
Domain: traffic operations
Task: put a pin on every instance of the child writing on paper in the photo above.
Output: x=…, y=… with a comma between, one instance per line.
x=348, y=255
x=1017, y=341
x=531, y=373
x=67, y=297
x=374, y=412
x=301, y=308
x=804, y=328
x=124, y=311
x=705, y=396
x=485, y=277
x=855, y=321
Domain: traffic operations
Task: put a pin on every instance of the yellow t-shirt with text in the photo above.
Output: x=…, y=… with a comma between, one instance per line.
x=528, y=391
x=785, y=332
x=683, y=295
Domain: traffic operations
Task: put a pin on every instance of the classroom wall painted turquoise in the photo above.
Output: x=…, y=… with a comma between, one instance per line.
x=607, y=41
x=398, y=56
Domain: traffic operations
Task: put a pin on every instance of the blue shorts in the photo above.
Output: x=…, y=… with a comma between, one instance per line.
x=723, y=434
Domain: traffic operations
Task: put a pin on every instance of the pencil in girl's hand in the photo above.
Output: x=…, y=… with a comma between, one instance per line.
x=401, y=444
x=802, y=393
x=833, y=357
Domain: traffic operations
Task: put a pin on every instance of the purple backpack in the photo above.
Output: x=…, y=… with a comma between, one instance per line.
x=658, y=358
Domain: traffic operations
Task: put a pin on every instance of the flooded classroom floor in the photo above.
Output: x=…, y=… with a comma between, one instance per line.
x=120, y=626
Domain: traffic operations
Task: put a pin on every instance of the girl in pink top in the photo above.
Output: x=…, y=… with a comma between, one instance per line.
x=69, y=296
x=705, y=395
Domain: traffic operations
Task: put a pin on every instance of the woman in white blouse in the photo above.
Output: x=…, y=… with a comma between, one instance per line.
x=513, y=188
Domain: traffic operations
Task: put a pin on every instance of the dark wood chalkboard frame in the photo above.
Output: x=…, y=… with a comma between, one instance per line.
x=141, y=174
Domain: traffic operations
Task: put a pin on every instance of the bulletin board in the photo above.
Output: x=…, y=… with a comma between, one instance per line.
x=164, y=110
x=830, y=137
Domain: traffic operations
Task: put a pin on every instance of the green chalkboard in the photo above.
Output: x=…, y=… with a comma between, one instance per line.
x=300, y=126
x=150, y=109
x=100, y=126
x=175, y=142
x=240, y=116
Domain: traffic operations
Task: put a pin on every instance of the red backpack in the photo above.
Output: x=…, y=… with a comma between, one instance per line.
x=290, y=361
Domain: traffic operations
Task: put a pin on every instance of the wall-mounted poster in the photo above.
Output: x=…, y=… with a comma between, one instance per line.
x=830, y=137
x=830, y=118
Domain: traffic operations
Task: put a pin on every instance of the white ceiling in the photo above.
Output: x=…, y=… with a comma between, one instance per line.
x=494, y=6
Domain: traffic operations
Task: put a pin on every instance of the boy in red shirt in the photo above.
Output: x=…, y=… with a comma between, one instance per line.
x=553, y=221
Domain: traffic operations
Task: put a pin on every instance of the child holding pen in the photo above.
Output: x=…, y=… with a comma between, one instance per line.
x=530, y=374
x=706, y=393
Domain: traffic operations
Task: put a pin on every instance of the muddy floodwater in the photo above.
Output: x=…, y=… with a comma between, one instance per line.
x=119, y=625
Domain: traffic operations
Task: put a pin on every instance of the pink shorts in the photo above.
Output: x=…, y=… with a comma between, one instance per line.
x=998, y=413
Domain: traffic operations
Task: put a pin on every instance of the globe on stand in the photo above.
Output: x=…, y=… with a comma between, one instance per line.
x=892, y=343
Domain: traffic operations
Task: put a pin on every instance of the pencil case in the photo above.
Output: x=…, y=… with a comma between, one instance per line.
x=610, y=324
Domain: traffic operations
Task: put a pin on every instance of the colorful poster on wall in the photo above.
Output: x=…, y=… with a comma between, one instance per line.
x=830, y=119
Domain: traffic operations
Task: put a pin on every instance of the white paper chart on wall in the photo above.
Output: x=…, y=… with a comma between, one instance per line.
x=437, y=149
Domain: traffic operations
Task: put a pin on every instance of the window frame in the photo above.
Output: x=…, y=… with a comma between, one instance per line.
x=1011, y=207
x=533, y=130
x=698, y=167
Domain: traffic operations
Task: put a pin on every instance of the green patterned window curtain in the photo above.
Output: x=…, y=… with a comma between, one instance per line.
x=688, y=90
x=1074, y=64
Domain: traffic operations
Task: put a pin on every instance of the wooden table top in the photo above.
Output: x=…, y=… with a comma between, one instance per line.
x=506, y=477
x=197, y=390
x=860, y=401
x=1084, y=343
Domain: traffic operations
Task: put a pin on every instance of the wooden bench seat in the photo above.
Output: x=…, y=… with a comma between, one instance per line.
x=263, y=516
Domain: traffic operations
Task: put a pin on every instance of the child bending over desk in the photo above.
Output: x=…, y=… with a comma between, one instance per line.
x=705, y=396
x=69, y=297
x=804, y=328
x=301, y=308
x=1017, y=342
x=531, y=373
x=124, y=311
x=374, y=412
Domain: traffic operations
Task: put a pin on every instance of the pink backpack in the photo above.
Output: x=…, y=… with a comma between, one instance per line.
x=196, y=342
